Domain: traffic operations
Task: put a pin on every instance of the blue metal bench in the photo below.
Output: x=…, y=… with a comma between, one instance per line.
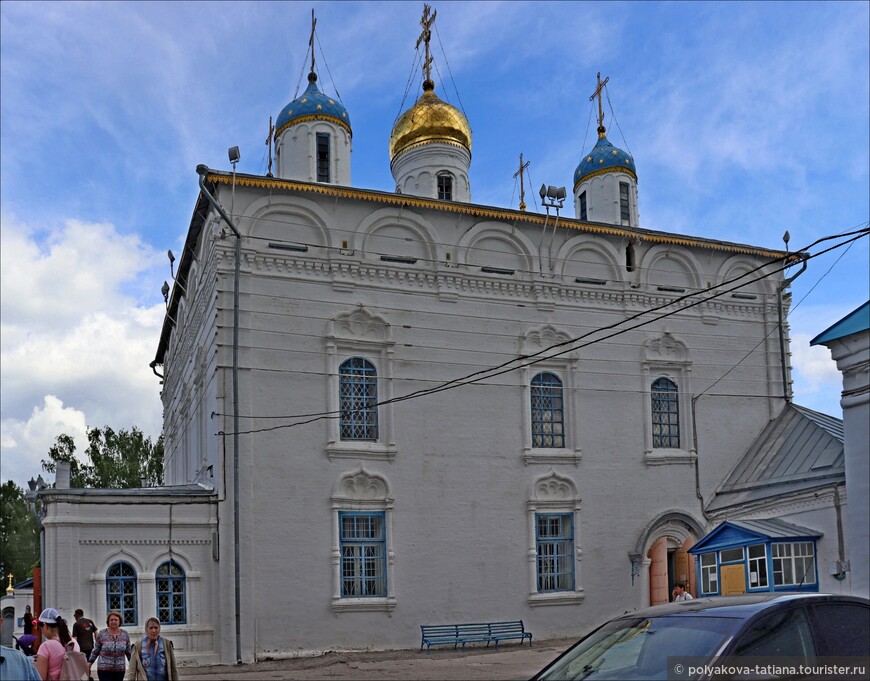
x=456, y=634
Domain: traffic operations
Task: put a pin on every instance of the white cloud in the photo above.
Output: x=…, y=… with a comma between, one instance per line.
x=26, y=443
x=76, y=343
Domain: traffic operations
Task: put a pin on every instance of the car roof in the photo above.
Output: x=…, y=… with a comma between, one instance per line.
x=738, y=606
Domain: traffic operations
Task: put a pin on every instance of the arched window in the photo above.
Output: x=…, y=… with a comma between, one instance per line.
x=171, y=605
x=358, y=395
x=445, y=187
x=665, y=414
x=121, y=592
x=547, y=411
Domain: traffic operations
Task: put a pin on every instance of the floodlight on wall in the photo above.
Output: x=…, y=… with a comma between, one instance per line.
x=171, y=257
x=165, y=291
x=551, y=197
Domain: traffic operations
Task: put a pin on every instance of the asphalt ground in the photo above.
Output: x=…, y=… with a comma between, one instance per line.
x=510, y=661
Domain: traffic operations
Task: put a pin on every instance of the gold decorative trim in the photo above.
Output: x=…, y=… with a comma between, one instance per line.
x=602, y=171
x=429, y=140
x=314, y=117
x=503, y=214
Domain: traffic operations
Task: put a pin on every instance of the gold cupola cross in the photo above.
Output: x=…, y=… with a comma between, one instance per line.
x=425, y=36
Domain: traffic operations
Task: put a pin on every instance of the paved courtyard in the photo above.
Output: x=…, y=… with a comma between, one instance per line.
x=509, y=662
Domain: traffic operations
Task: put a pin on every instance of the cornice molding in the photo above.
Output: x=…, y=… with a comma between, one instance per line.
x=506, y=215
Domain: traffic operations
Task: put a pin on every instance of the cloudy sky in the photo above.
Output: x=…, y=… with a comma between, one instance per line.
x=745, y=120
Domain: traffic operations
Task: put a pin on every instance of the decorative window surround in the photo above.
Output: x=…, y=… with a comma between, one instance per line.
x=361, y=333
x=533, y=342
x=361, y=491
x=553, y=493
x=666, y=357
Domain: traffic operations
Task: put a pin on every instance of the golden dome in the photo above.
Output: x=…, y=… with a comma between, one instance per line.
x=429, y=120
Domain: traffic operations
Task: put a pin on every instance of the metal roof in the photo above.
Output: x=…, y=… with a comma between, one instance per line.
x=799, y=450
x=856, y=321
x=775, y=528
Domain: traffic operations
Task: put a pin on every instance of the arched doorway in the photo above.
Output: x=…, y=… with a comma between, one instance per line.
x=660, y=558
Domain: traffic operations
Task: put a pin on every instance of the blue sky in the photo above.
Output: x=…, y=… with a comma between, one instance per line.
x=744, y=119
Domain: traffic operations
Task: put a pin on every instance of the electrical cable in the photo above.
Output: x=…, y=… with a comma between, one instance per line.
x=492, y=372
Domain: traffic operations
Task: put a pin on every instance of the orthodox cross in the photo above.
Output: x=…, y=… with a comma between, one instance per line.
x=426, y=22
x=595, y=94
x=269, y=145
x=523, y=166
x=311, y=39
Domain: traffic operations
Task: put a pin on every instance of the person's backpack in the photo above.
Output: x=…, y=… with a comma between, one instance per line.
x=75, y=665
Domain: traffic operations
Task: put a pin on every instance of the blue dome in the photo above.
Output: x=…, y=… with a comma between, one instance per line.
x=603, y=158
x=312, y=105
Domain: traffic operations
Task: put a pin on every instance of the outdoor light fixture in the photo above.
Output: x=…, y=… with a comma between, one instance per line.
x=233, y=153
x=551, y=197
x=165, y=291
x=171, y=262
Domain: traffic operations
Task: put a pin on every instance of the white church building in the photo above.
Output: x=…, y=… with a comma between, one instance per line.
x=384, y=409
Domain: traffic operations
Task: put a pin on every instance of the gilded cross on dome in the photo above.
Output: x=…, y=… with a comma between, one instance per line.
x=426, y=35
x=595, y=94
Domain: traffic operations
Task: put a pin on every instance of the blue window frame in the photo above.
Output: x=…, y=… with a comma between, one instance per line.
x=171, y=583
x=363, y=554
x=554, y=545
x=358, y=395
x=548, y=428
x=665, y=414
x=121, y=592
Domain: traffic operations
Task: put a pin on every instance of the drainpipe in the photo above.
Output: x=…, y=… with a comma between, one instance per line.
x=202, y=170
x=786, y=393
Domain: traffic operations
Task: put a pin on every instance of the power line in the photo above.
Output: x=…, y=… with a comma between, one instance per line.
x=537, y=357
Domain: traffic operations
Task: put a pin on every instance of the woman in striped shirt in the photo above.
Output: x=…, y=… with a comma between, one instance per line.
x=111, y=650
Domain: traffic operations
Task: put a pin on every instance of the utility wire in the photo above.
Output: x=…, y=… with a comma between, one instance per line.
x=537, y=357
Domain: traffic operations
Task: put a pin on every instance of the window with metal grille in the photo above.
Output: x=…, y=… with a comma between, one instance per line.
x=171, y=608
x=322, y=157
x=583, y=206
x=363, y=555
x=358, y=395
x=554, y=544
x=793, y=563
x=665, y=414
x=547, y=411
x=121, y=592
x=624, y=207
x=445, y=187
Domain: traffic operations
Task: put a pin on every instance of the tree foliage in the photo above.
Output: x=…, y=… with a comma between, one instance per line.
x=115, y=459
x=19, y=534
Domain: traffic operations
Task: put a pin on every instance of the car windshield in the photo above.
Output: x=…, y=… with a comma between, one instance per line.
x=638, y=648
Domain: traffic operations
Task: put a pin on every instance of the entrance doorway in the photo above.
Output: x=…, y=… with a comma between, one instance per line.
x=733, y=579
x=670, y=563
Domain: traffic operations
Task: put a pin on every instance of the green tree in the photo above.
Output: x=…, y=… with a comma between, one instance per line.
x=19, y=534
x=115, y=459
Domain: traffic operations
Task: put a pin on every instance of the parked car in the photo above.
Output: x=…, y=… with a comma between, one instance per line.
x=637, y=645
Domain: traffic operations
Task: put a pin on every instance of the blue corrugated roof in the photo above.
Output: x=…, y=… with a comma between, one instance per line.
x=733, y=533
x=854, y=322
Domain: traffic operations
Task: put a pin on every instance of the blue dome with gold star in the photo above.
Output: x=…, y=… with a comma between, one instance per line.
x=312, y=105
x=604, y=158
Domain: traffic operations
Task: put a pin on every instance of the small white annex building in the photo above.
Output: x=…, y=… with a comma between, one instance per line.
x=849, y=343
x=392, y=408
